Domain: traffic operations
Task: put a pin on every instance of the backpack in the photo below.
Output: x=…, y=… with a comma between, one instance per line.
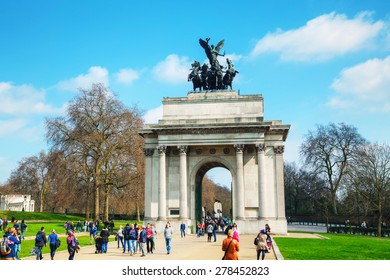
x=38, y=237
x=256, y=241
x=126, y=233
x=5, y=249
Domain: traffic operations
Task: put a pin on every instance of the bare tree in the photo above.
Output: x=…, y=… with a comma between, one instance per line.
x=305, y=192
x=94, y=131
x=369, y=174
x=327, y=151
x=32, y=176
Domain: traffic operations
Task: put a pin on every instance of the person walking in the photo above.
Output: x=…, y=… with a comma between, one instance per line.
x=168, y=237
x=53, y=243
x=209, y=230
x=268, y=233
x=40, y=241
x=149, y=238
x=104, y=234
x=23, y=229
x=92, y=232
x=12, y=240
x=119, y=235
x=235, y=232
x=126, y=237
x=230, y=246
x=142, y=240
x=133, y=240
x=73, y=244
x=215, y=228
x=182, y=229
x=262, y=247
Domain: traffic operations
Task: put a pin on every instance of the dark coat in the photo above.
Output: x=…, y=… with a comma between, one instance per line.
x=104, y=235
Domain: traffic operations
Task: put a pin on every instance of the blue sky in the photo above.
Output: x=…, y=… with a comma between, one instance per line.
x=315, y=61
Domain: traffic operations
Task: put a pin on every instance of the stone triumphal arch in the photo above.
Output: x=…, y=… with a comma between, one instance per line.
x=215, y=129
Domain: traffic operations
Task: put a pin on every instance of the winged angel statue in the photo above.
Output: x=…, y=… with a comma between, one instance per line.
x=211, y=52
x=212, y=78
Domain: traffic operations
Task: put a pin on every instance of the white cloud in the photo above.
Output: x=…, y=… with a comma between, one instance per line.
x=96, y=74
x=9, y=127
x=322, y=38
x=365, y=86
x=24, y=100
x=173, y=69
x=153, y=115
x=127, y=76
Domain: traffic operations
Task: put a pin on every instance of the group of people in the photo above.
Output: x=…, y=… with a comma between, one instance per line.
x=141, y=240
x=131, y=238
x=134, y=238
x=230, y=245
x=13, y=236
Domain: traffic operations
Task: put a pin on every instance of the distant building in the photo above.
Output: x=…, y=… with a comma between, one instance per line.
x=17, y=203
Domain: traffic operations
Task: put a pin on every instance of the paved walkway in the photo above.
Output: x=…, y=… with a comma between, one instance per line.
x=189, y=248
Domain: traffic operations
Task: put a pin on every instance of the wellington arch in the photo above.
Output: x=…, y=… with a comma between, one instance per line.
x=215, y=129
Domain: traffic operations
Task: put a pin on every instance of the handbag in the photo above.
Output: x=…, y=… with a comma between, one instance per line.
x=58, y=243
x=227, y=249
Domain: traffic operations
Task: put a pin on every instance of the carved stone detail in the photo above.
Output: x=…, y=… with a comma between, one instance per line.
x=148, y=152
x=260, y=147
x=279, y=149
x=162, y=149
x=239, y=147
x=183, y=149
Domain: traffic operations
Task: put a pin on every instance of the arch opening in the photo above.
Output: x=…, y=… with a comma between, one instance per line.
x=213, y=191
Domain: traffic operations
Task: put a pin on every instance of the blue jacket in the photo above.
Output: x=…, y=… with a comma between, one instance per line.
x=142, y=236
x=93, y=230
x=53, y=238
x=12, y=241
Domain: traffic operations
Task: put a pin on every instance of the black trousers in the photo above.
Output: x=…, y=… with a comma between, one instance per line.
x=149, y=245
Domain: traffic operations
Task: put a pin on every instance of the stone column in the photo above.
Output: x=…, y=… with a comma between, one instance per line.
x=183, y=182
x=148, y=183
x=279, y=175
x=162, y=196
x=261, y=174
x=240, y=182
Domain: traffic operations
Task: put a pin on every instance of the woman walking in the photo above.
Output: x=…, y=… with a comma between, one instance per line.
x=53, y=239
x=168, y=237
x=262, y=247
x=230, y=247
x=104, y=234
x=73, y=244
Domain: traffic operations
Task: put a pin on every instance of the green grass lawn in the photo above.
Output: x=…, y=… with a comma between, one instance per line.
x=336, y=247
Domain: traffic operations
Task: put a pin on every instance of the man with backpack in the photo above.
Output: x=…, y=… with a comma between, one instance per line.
x=126, y=237
x=40, y=241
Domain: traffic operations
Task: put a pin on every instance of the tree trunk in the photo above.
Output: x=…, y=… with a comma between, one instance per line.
x=138, y=212
x=106, y=206
x=96, y=206
x=334, y=202
x=87, y=203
